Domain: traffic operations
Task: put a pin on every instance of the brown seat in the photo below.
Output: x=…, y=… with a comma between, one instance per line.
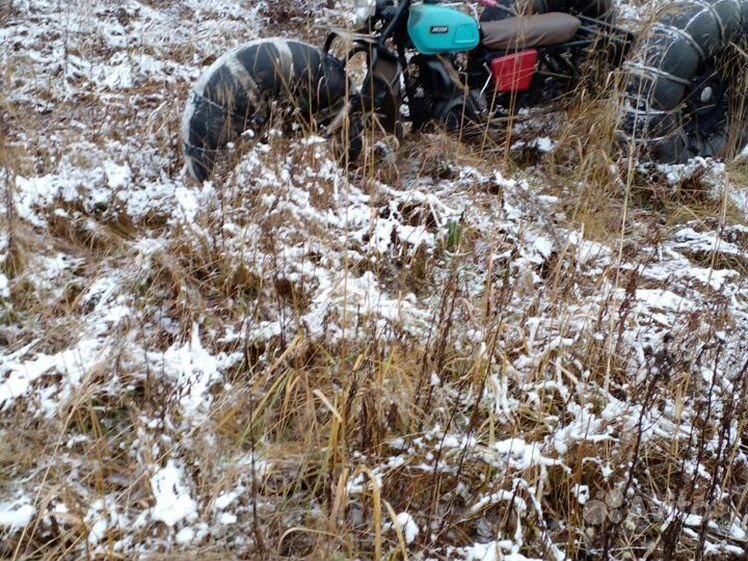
x=524, y=32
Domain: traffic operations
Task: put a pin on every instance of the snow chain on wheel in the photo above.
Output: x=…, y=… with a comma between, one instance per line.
x=244, y=88
x=684, y=96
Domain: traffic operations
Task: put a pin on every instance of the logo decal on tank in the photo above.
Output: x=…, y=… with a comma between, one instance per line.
x=439, y=29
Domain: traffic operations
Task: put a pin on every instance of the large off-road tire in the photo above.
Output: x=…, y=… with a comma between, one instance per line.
x=603, y=10
x=244, y=89
x=684, y=91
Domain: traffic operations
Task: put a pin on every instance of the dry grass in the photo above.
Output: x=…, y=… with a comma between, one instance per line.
x=328, y=438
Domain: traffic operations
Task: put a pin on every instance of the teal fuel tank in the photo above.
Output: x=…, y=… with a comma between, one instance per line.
x=438, y=29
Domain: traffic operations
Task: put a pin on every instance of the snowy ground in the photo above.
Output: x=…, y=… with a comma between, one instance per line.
x=436, y=361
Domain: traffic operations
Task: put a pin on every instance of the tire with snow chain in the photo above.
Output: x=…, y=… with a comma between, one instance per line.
x=246, y=87
x=683, y=94
x=603, y=10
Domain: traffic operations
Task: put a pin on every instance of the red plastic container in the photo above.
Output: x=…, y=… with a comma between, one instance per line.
x=513, y=73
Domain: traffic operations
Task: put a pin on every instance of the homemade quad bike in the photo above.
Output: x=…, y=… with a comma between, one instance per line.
x=429, y=62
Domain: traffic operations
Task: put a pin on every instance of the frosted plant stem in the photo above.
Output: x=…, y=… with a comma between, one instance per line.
x=619, y=260
x=58, y=444
x=718, y=238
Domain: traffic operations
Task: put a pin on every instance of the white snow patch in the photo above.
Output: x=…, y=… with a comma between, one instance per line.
x=225, y=499
x=185, y=536
x=118, y=176
x=173, y=500
x=544, y=144
x=74, y=363
x=195, y=370
x=227, y=518
x=16, y=515
x=98, y=531
x=405, y=523
x=497, y=550
x=4, y=287
x=581, y=493
x=663, y=299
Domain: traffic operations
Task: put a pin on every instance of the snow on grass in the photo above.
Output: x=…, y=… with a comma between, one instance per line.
x=4, y=287
x=73, y=363
x=483, y=365
x=16, y=515
x=404, y=523
x=173, y=500
x=87, y=353
x=195, y=371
